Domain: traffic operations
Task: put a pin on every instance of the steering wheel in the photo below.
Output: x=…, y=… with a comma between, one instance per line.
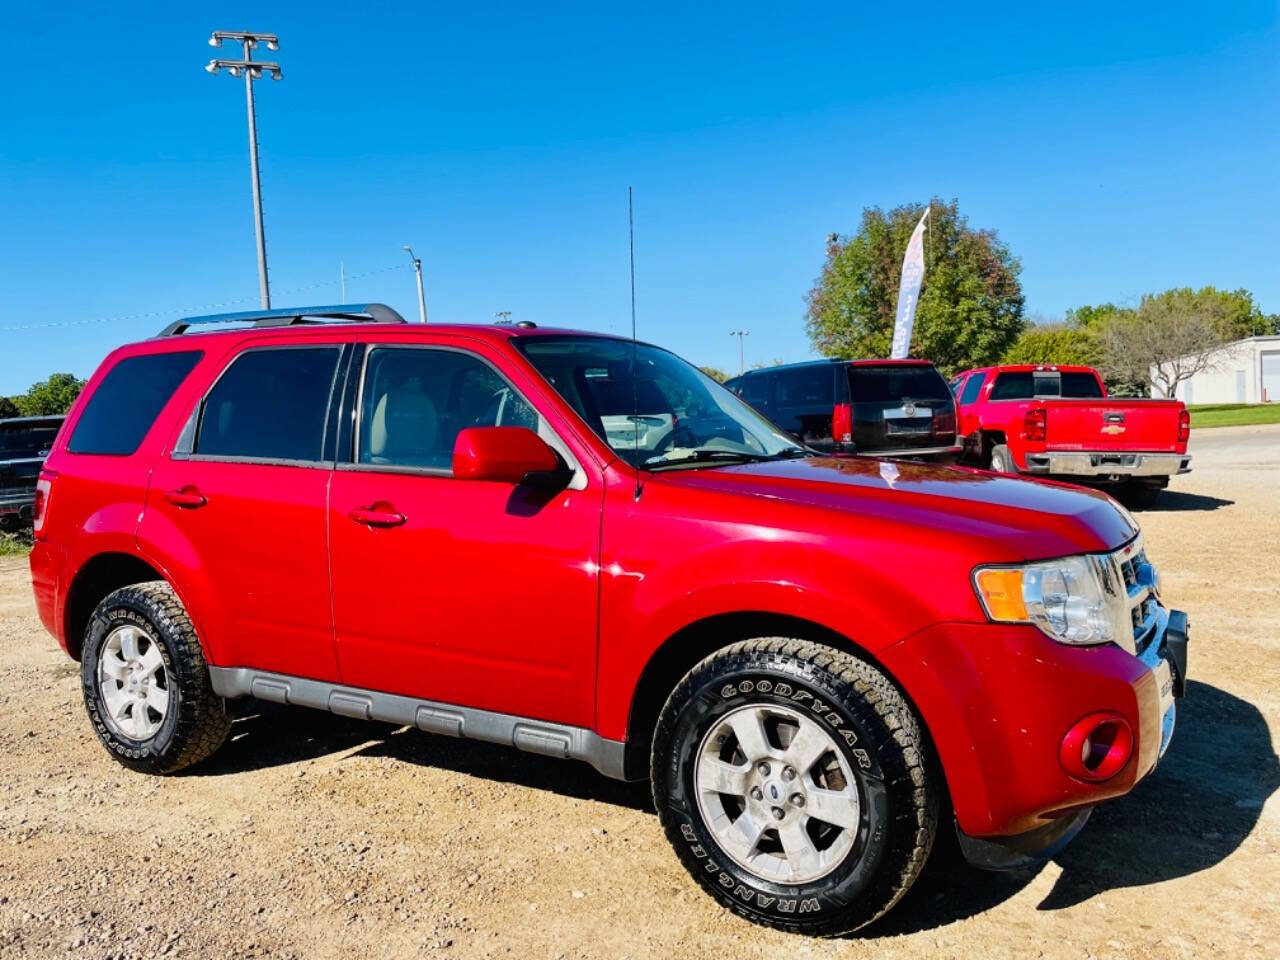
x=684, y=434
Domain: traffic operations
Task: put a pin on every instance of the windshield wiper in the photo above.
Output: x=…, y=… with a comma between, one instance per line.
x=724, y=456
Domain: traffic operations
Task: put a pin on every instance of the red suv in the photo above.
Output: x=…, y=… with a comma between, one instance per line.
x=818, y=662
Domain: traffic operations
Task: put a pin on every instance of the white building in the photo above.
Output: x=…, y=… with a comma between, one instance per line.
x=1247, y=371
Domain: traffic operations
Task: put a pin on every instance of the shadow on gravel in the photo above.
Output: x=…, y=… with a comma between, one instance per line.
x=271, y=735
x=1191, y=814
x=1173, y=501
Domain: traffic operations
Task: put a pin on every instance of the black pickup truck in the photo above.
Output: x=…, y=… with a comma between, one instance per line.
x=24, y=443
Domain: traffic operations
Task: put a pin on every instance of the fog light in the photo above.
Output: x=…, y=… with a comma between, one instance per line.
x=1097, y=747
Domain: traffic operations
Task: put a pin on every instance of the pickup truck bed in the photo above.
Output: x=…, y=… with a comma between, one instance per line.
x=1058, y=421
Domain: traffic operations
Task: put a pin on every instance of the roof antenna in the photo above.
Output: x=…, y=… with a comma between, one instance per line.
x=635, y=372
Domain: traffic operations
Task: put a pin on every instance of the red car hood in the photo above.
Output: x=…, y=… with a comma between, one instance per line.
x=1036, y=519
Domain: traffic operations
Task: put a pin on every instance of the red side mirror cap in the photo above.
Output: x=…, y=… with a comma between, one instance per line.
x=501, y=454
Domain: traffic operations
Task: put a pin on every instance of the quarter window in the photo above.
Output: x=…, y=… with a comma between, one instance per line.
x=415, y=401
x=270, y=404
x=128, y=400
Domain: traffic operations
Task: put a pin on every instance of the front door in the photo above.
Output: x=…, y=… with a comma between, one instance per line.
x=465, y=592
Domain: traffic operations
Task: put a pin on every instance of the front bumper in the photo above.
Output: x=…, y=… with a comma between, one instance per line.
x=998, y=701
x=1107, y=463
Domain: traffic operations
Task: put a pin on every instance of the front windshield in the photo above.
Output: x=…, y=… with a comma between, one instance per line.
x=671, y=414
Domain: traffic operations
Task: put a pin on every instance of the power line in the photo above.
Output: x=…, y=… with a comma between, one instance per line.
x=186, y=311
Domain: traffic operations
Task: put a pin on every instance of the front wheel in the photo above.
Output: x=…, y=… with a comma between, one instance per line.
x=792, y=780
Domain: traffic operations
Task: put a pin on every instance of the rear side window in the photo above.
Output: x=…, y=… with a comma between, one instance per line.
x=26, y=441
x=972, y=386
x=896, y=382
x=755, y=389
x=805, y=387
x=1012, y=386
x=270, y=404
x=127, y=402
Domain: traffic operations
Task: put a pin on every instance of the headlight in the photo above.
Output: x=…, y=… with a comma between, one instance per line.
x=1073, y=600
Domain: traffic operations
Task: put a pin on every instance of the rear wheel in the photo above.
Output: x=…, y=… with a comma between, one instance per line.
x=792, y=781
x=1000, y=461
x=146, y=683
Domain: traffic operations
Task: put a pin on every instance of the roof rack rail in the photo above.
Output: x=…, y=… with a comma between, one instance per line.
x=346, y=312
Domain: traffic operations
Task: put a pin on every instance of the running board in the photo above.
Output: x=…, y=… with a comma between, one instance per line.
x=532, y=736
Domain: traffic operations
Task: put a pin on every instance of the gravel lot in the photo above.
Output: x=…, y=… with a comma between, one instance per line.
x=314, y=836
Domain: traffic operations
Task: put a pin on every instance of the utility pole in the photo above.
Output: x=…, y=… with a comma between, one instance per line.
x=740, y=334
x=502, y=317
x=417, y=269
x=252, y=71
x=342, y=279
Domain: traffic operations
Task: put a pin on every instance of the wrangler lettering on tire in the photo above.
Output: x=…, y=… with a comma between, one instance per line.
x=793, y=782
x=146, y=683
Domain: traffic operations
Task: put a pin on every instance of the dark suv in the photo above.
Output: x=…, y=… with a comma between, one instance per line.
x=887, y=408
x=24, y=444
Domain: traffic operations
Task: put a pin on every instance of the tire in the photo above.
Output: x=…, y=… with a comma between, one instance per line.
x=875, y=769
x=146, y=683
x=1000, y=461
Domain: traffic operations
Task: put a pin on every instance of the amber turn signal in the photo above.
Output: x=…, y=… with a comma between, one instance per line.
x=1001, y=593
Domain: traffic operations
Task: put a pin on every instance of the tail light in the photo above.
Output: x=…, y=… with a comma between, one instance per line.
x=1033, y=427
x=1184, y=427
x=40, y=508
x=944, y=422
x=842, y=423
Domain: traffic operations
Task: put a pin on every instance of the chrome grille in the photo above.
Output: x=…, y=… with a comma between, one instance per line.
x=1140, y=583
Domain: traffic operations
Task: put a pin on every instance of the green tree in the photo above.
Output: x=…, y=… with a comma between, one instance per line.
x=51, y=396
x=970, y=307
x=8, y=409
x=1055, y=343
x=1093, y=317
x=1174, y=335
x=719, y=376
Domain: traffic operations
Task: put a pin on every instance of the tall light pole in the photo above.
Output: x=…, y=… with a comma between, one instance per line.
x=740, y=334
x=252, y=71
x=422, y=300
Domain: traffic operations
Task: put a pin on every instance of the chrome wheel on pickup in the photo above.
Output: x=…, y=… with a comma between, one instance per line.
x=777, y=794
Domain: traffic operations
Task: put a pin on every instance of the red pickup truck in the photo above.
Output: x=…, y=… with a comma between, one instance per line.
x=1057, y=421
x=817, y=661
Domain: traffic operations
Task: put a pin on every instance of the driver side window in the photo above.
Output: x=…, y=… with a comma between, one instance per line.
x=414, y=401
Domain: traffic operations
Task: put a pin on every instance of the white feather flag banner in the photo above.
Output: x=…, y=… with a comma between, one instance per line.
x=909, y=291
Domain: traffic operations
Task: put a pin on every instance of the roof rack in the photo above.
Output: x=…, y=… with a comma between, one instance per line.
x=345, y=312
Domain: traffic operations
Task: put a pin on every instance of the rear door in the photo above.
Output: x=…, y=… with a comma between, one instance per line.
x=967, y=394
x=244, y=492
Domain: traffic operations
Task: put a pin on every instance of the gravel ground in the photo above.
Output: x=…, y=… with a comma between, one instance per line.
x=314, y=836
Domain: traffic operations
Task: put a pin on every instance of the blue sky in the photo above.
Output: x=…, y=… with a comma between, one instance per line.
x=1116, y=148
